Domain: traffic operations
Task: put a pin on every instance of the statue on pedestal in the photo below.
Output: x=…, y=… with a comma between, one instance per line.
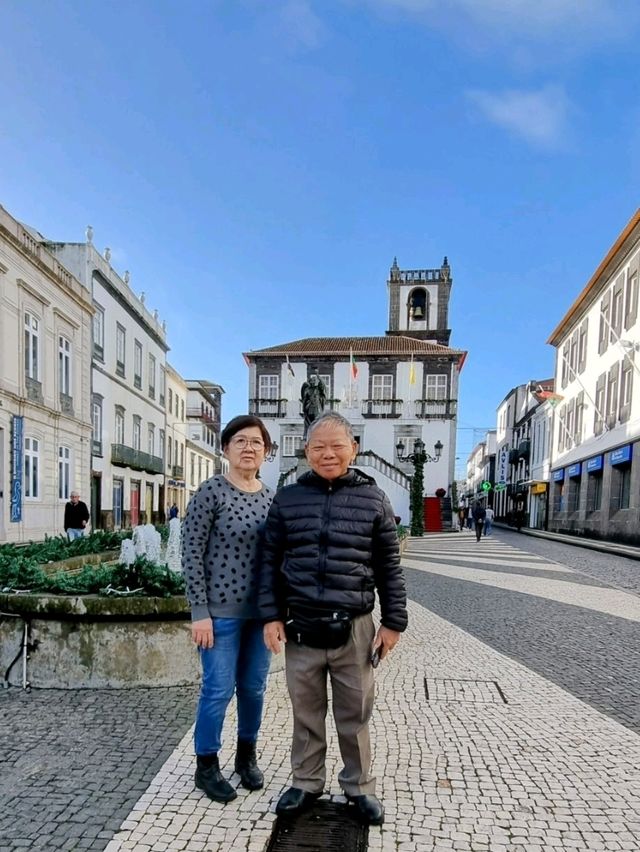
x=313, y=396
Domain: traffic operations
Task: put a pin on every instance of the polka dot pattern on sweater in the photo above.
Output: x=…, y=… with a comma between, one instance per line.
x=220, y=548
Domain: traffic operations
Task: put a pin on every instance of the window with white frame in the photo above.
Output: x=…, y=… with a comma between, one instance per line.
x=328, y=390
x=137, y=364
x=170, y=450
x=96, y=424
x=137, y=420
x=436, y=386
x=64, y=365
x=617, y=308
x=64, y=473
x=152, y=376
x=626, y=389
x=170, y=400
x=612, y=395
x=163, y=385
x=98, y=332
x=31, y=468
x=121, y=347
x=269, y=387
x=119, y=425
x=161, y=443
x=151, y=439
x=291, y=443
x=31, y=347
x=382, y=386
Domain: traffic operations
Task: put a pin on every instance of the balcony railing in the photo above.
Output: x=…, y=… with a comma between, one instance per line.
x=435, y=408
x=177, y=471
x=268, y=407
x=523, y=449
x=381, y=407
x=135, y=459
x=513, y=457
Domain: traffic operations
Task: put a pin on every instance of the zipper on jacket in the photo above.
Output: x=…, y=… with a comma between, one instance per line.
x=324, y=539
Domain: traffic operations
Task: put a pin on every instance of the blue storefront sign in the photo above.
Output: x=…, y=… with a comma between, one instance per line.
x=574, y=470
x=594, y=464
x=17, y=444
x=621, y=455
x=558, y=475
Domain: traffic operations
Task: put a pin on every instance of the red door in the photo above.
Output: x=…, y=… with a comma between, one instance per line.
x=432, y=514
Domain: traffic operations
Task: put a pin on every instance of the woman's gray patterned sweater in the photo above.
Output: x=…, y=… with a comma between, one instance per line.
x=221, y=537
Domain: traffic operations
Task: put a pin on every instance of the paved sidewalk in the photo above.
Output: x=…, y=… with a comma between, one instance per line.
x=473, y=751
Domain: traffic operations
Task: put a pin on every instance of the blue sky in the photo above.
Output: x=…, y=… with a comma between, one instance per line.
x=257, y=164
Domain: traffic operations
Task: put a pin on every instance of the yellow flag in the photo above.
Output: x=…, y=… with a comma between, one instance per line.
x=412, y=373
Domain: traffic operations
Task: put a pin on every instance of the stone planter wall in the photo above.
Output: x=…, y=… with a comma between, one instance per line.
x=99, y=642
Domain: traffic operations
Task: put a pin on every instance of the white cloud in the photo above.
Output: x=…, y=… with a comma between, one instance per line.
x=569, y=22
x=540, y=117
x=302, y=24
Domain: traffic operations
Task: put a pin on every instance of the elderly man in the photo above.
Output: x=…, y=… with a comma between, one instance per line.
x=330, y=543
x=76, y=517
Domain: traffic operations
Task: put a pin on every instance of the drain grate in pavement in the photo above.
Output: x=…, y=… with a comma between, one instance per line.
x=467, y=691
x=326, y=827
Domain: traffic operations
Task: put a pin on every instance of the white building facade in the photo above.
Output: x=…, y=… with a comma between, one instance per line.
x=45, y=386
x=596, y=437
x=128, y=390
x=393, y=389
x=203, y=451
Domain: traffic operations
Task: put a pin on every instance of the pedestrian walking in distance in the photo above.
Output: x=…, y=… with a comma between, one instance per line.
x=76, y=517
x=488, y=520
x=330, y=543
x=220, y=546
x=478, y=513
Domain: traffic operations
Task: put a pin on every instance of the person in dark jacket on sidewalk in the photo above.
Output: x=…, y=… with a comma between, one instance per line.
x=76, y=517
x=478, y=519
x=330, y=544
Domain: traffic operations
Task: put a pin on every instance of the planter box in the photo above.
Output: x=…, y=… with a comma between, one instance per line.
x=99, y=642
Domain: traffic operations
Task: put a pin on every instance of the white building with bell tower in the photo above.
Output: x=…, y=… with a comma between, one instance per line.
x=394, y=389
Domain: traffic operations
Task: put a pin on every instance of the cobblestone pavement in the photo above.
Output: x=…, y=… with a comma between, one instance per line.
x=499, y=726
x=613, y=570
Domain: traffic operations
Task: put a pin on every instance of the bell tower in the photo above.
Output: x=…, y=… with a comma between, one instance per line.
x=419, y=302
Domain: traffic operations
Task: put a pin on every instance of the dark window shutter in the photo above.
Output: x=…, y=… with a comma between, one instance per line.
x=603, y=335
x=631, y=295
x=626, y=389
x=612, y=395
x=582, y=346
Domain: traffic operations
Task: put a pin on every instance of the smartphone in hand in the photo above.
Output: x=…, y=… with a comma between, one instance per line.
x=375, y=657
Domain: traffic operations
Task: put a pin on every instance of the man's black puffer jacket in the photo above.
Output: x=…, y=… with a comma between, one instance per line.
x=330, y=545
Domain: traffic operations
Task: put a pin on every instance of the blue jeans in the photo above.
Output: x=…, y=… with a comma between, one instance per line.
x=239, y=661
x=487, y=527
x=72, y=535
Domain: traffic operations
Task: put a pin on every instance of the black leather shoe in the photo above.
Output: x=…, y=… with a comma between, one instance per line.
x=294, y=801
x=246, y=766
x=368, y=808
x=211, y=781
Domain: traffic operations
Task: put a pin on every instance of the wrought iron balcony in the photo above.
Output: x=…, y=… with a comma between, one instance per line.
x=513, y=457
x=268, y=407
x=436, y=408
x=137, y=460
x=177, y=471
x=524, y=448
x=382, y=407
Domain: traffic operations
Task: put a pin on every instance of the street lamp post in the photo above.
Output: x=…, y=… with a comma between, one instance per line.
x=418, y=458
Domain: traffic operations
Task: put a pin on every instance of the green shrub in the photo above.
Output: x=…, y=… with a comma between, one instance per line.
x=57, y=548
x=26, y=574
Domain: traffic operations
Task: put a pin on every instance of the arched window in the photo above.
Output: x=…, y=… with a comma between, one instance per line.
x=418, y=306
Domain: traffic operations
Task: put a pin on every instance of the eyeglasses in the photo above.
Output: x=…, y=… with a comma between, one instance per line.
x=243, y=443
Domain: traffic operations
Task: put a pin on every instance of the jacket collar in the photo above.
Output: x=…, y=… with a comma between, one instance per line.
x=352, y=477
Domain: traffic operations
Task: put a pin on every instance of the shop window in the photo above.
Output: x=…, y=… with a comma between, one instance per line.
x=594, y=492
x=620, y=487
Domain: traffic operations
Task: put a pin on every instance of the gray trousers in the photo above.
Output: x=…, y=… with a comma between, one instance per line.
x=352, y=686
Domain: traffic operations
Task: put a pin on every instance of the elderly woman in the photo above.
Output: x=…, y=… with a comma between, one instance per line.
x=221, y=538
x=330, y=544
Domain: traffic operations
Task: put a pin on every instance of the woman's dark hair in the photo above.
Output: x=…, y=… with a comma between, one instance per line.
x=244, y=421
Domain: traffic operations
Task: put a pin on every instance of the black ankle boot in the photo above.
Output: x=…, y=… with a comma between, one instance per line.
x=211, y=781
x=246, y=766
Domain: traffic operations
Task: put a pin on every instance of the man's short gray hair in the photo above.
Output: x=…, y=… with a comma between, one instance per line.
x=331, y=418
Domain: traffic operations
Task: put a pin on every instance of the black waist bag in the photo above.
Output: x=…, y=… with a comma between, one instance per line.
x=331, y=630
